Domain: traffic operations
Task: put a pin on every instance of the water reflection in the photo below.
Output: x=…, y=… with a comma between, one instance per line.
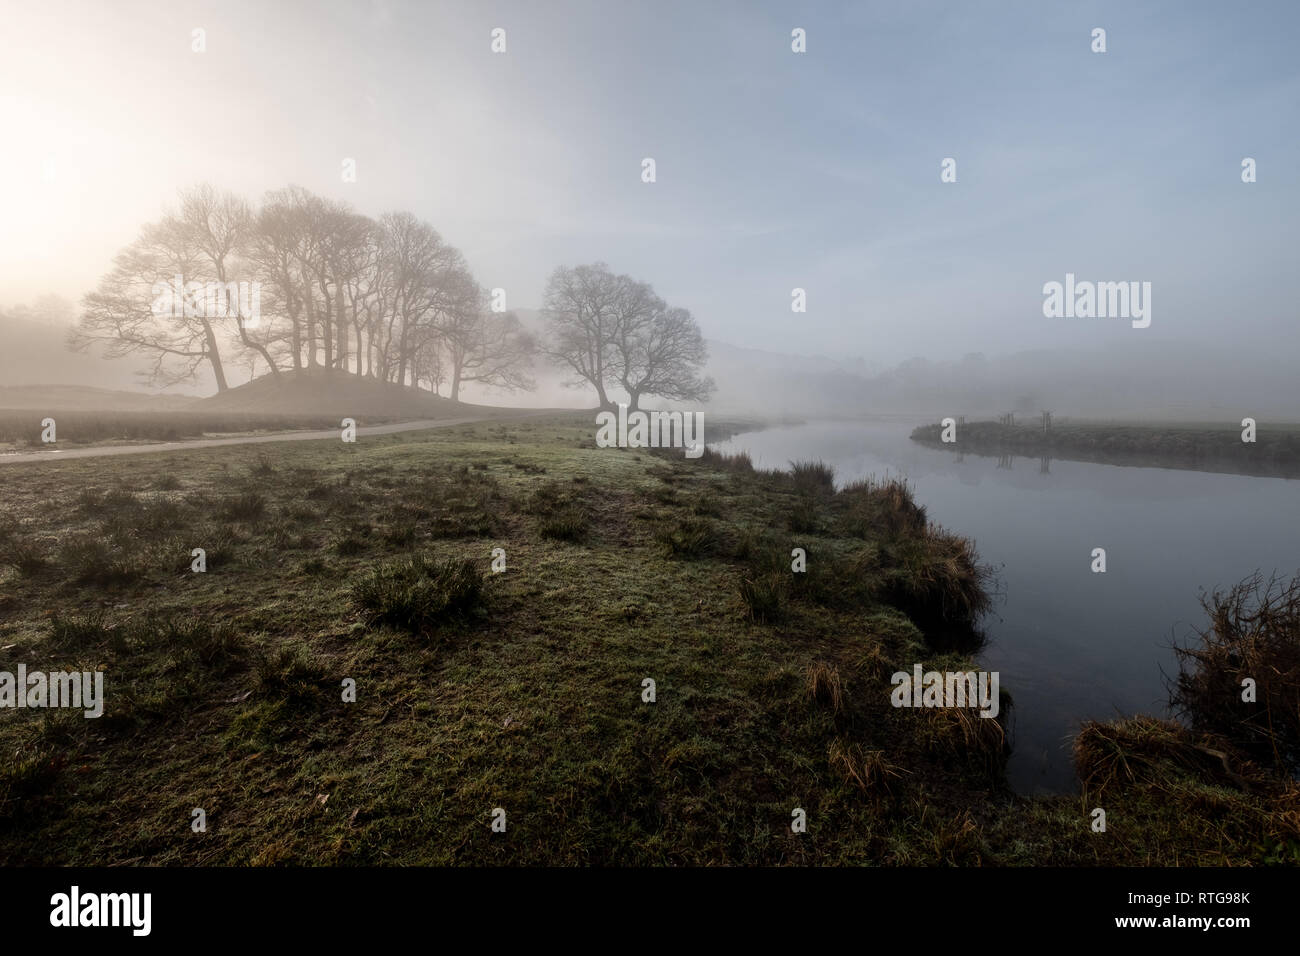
x=1071, y=644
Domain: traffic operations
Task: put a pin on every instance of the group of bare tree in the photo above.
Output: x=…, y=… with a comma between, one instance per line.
x=612, y=332
x=386, y=298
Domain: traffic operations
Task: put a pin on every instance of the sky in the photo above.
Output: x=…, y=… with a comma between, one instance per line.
x=774, y=169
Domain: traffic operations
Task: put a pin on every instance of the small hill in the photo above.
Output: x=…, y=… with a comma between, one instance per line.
x=320, y=392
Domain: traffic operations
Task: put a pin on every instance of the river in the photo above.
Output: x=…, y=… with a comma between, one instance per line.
x=1071, y=644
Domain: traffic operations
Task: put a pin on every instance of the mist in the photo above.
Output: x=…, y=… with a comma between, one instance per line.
x=819, y=173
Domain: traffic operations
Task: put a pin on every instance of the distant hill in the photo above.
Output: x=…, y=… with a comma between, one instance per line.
x=79, y=398
x=336, y=393
x=1145, y=380
x=36, y=353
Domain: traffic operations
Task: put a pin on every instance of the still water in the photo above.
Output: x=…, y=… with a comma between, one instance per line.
x=1070, y=644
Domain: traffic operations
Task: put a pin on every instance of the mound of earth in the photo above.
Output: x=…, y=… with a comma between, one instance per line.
x=321, y=392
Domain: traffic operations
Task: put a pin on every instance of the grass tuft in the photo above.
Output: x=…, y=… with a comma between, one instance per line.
x=417, y=594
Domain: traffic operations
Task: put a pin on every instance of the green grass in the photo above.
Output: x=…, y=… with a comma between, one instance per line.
x=417, y=595
x=372, y=563
x=23, y=427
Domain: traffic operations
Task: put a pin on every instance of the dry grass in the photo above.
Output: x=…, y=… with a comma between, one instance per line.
x=868, y=770
x=961, y=733
x=875, y=508
x=825, y=686
x=1253, y=634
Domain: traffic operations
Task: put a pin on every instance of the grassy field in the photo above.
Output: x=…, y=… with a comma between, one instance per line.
x=523, y=690
x=1201, y=446
x=22, y=428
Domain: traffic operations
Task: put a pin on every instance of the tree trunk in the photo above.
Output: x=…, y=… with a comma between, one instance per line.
x=260, y=349
x=214, y=356
x=296, y=319
x=311, y=329
x=327, y=327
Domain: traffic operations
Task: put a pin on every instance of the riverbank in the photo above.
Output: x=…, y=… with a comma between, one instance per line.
x=526, y=689
x=1214, y=447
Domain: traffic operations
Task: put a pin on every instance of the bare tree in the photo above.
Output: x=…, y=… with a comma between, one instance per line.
x=387, y=299
x=416, y=258
x=360, y=275
x=137, y=308
x=489, y=349
x=276, y=248
x=582, y=318
x=221, y=228
x=660, y=354
x=428, y=367
x=612, y=330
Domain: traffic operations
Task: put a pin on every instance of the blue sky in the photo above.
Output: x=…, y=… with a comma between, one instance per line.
x=775, y=170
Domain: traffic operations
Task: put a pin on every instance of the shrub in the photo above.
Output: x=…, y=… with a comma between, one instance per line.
x=746, y=545
x=246, y=507
x=825, y=686
x=563, y=511
x=101, y=563
x=692, y=537
x=665, y=495
x=1147, y=752
x=937, y=580
x=217, y=543
x=804, y=517
x=813, y=476
x=568, y=525
x=288, y=672
x=348, y=546
x=77, y=631
x=26, y=556
x=868, y=770
x=417, y=594
x=400, y=535
x=194, y=640
x=739, y=462
x=1254, y=633
x=706, y=504
x=871, y=508
x=764, y=596
x=314, y=566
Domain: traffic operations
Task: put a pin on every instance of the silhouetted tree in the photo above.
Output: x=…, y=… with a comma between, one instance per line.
x=613, y=331
x=126, y=312
x=661, y=354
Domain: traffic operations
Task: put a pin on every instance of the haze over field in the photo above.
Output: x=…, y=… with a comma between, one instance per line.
x=775, y=171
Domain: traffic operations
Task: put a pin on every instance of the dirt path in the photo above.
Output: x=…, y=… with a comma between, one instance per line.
x=96, y=451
